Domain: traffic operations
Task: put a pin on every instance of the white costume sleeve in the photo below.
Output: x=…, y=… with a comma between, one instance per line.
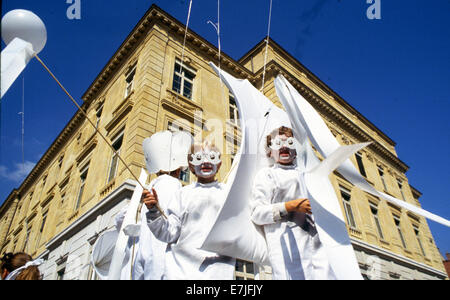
x=263, y=211
x=166, y=230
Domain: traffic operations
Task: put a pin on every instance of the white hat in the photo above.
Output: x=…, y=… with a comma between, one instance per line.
x=167, y=151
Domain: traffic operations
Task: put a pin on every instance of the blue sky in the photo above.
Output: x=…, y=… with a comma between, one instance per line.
x=395, y=71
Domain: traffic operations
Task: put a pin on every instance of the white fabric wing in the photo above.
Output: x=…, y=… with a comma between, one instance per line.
x=234, y=234
x=102, y=253
x=324, y=141
x=328, y=216
x=14, y=59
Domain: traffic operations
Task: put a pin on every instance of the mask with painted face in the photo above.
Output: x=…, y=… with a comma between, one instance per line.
x=283, y=149
x=278, y=143
x=205, y=163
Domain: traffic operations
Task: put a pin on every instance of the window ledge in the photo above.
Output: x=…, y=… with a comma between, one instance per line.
x=182, y=100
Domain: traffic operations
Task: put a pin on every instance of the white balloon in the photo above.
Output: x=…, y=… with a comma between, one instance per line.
x=24, y=24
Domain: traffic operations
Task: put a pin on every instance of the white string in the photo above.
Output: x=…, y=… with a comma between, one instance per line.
x=23, y=122
x=217, y=28
x=267, y=45
x=181, y=71
x=218, y=38
x=184, y=41
x=23, y=150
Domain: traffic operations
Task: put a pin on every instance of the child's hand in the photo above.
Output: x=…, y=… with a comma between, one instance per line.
x=299, y=205
x=149, y=199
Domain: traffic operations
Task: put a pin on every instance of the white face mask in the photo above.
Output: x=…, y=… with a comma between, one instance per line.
x=278, y=143
x=205, y=163
x=201, y=157
x=283, y=150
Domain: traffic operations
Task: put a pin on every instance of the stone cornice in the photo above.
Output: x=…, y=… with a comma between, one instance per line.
x=323, y=106
x=416, y=193
x=152, y=16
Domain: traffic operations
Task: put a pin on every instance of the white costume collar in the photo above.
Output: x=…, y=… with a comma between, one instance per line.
x=207, y=185
x=286, y=167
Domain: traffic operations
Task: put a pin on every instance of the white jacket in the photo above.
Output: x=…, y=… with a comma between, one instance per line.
x=149, y=251
x=190, y=217
x=295, y=251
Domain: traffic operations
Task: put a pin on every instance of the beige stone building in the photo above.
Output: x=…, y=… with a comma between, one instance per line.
x=75, y=190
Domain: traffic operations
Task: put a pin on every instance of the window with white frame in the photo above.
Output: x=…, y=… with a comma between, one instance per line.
x=417, y=233
x=129, y=78
x=374, y=210
x=83, y=176
x=183, y=79
x=399, y=230
x=234, y=112
x=244, y=270
x=346, y=198
x=114, y=164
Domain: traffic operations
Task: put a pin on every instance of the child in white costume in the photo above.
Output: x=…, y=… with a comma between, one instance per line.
x=165, y=155
x=190, y=217
x=150, y=252
x=279, y=204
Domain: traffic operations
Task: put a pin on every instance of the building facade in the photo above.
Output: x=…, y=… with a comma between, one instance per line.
x=79, y=185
